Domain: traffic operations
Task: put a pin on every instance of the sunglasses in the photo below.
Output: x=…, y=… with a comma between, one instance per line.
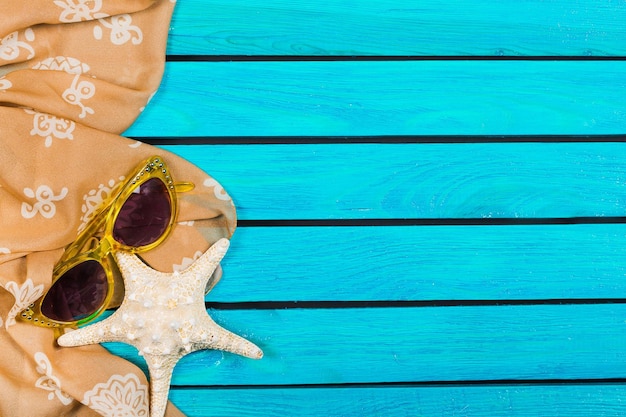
x=139, y=216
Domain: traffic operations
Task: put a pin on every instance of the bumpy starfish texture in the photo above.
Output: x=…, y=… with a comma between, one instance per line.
x=163, y=315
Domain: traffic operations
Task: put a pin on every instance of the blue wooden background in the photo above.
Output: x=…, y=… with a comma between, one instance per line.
x=432, y=199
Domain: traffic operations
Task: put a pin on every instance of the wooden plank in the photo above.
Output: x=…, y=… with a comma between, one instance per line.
x=404, y=27
x=374, y=345
x=514, y=180
x=424, y=263
x=513, y=401
x=387, y=98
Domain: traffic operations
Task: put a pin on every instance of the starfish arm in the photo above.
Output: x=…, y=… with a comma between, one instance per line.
x=204, y=267
x=90, y=335
x=213, y=336
x=132, y=268
x=161, y=368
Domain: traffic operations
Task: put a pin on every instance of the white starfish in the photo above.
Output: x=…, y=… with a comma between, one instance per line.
x=164, y=316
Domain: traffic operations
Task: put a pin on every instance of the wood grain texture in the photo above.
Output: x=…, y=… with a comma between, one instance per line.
x=527, y=180
x=504, y=400
x=319, y=346
x=404, y=27
x=424, y=263
x=387, y=98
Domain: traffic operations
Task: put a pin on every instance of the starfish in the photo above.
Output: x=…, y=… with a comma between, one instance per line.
x=164, y=316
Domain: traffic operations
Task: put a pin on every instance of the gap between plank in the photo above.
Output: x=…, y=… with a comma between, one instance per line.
x=318, y=58
x=486, y=221
x=288, y=305
x=377, y=139
x=420, y=384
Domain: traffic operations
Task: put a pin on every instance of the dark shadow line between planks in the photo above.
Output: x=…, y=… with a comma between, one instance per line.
x=486, y=221
x=332, y=58
x=378, y=139
x=420, y=384
x=335, y=304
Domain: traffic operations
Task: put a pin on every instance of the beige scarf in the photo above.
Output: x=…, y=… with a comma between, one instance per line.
x=74, y=74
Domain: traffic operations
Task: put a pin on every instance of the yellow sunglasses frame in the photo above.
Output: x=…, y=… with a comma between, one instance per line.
x=88, y=247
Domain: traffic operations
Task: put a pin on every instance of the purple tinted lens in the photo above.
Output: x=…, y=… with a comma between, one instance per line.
x=77, y=294
x=145, y=215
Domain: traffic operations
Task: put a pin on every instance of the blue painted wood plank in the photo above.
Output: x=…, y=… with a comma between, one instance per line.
x=320, y=346
x=424, y=263
x=502, y=400
x=387, y=98
x=404, y=27
x=511, y=180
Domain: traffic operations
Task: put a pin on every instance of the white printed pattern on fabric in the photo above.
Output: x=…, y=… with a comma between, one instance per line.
x=186, y=262
x=48, y=381
x=94, y=199
x=5, y=84
x=62, y=63
x=79, y=10
x=119, y=396
x=24, y=295
x=45, y=202
x=142, y=108
x=11, y=45
x=49, y=126
x=122, y=30
x=218, y=190
x=80, y=89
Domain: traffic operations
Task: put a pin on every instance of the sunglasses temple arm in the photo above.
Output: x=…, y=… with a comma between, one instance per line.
x=183, y=187
x=57, y=333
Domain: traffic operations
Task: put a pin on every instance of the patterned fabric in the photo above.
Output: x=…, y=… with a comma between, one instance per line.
x=74, y=74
